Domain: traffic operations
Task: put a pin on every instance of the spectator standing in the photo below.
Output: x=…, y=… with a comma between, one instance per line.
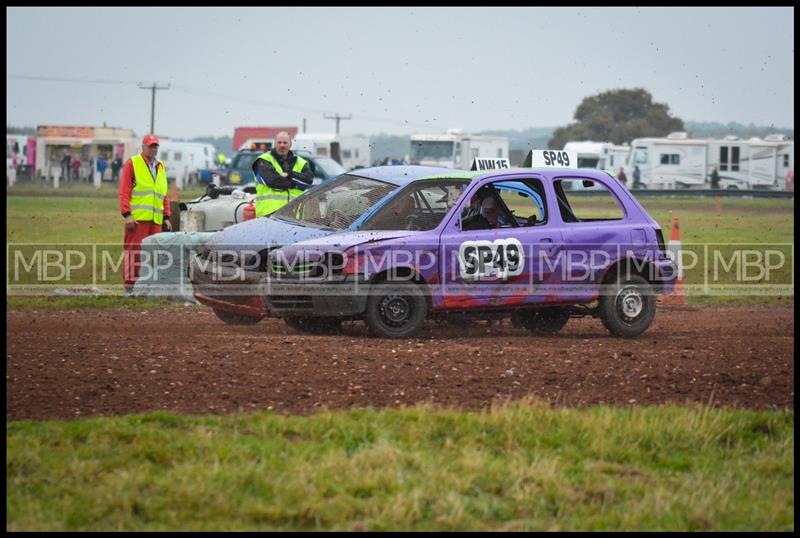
x=714, y=178
x=144, y=204
x=281, y=176
x=116, y=166
x=76, y=168
x=622, y=177
x=637, y=178
x=102, y=164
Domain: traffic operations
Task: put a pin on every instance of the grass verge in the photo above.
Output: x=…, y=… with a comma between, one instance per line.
x=516, y=467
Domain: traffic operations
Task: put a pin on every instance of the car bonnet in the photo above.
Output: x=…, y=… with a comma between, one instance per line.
x=264, y=232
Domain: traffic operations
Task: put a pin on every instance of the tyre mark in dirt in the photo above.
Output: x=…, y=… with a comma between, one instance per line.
x=81, y=363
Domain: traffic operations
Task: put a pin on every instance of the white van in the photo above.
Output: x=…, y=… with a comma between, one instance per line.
x=184, y=160
x=349, y=151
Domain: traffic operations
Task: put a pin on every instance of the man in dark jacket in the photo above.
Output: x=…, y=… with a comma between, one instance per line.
x=281, y=176
x=714, y=178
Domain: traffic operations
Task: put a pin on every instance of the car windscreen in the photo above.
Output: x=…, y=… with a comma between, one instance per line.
x=329, y=166
x=244, y=160
x=420, y=206
x=336, y=204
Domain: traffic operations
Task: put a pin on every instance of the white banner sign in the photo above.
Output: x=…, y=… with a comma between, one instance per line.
x=551, y=158
x=488, y=163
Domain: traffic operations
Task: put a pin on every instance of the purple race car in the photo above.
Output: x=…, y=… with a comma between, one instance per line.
x=530, y=243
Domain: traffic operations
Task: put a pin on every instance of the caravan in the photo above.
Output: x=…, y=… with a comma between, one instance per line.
x=599, y=155
x=677, y=161
x=455, y=149
x=20, y=156
x=349, y=151
x=605, y=156
x=185, y=160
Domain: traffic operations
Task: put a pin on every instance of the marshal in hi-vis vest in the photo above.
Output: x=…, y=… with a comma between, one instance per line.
x=147, y=197
x=269, y=200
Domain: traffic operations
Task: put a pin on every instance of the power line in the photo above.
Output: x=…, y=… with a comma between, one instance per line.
x=58, y=79
x=234, y=98
x=337, y=117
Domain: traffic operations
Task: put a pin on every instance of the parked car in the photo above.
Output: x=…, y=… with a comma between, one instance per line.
x=241, y=171
x=517, y=243
x=228, y=270
x=217, y=208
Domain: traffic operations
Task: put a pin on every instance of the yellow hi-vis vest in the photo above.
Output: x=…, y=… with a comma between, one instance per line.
x=147, y=197
x=270, y=200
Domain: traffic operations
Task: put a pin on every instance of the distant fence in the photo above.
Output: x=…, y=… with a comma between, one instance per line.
x=710, y=193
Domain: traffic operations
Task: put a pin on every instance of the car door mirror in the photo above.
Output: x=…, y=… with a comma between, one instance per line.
x=588, y=183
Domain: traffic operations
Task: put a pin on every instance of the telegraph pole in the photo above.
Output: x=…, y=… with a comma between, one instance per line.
x=337, y=117
x=153, y=88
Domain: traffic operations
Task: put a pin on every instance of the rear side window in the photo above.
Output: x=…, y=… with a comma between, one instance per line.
x=584, y=200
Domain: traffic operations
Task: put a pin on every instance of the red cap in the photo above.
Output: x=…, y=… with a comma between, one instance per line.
x=149, y=140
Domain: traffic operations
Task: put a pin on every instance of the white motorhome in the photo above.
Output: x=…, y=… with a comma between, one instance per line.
x=599, y=155
x=184, y=160
x=456, y=149
x=677, y=161
x=349, y=151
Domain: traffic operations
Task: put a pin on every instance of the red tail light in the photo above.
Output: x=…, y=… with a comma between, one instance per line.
x=249, y=212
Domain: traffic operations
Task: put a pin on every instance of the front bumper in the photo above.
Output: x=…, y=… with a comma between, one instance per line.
x=226, y=288
x=343, y=298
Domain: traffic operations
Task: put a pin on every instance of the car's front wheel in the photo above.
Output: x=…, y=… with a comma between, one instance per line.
x=627, y=307
x=235, y=319
x=396, y=310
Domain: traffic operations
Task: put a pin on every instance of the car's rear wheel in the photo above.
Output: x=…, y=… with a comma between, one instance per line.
x=315, y=325
x=235, y=319
x=396, y=310
x=627, y=307
x=542, y=320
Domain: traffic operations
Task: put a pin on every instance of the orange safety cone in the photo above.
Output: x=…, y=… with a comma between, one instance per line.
x=678, y=296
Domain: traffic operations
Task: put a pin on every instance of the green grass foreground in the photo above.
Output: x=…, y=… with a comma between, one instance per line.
x=521, y=466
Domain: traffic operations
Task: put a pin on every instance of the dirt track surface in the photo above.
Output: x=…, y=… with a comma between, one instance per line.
x=81, y=363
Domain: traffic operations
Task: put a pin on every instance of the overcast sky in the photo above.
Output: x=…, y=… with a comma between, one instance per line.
x=395, y=70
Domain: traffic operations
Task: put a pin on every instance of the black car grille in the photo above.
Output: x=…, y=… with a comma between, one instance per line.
x=291, y=302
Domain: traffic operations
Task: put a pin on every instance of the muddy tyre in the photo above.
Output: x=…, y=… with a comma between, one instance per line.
x=627, y=306
x=235, y=319
x=395, y=310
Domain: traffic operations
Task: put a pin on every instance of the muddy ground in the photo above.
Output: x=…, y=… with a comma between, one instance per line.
x=69, y=364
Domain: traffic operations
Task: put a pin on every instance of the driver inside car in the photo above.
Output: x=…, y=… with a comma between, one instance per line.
x=487, y=216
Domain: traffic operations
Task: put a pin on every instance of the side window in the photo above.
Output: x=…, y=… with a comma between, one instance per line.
x=505, y=204
x=640, y=156
x=670, y=158
x=735, y=159
x=577, y=204
x=524, y=201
